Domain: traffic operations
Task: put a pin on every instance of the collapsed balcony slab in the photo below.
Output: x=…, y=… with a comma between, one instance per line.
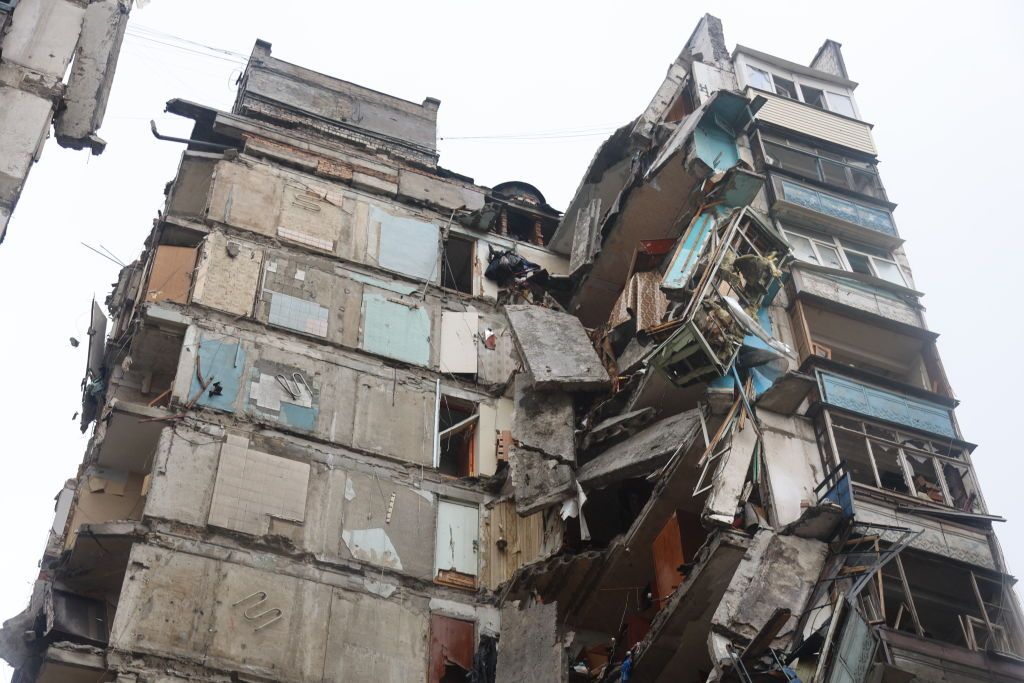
x=643, y=452
x=556, y=350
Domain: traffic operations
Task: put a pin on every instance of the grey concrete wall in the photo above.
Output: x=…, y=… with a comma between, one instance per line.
x=211, y=611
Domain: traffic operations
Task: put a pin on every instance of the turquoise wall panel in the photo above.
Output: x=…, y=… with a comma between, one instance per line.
x=222, y=363
x=395, y=330
x=407, y=245
x=715, y=147
x=915, y=413
x=687, y=253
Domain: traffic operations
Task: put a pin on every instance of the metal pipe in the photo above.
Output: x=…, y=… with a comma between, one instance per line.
x=198, y=143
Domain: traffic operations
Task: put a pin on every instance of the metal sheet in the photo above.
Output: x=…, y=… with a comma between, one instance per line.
x=458, y=528
x=396, y=330
x=407, y=245
x=458, y=342
x=97, y=342
x=684, y=260
x=849, y=394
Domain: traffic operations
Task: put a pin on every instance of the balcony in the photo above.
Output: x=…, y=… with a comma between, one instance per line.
x=866, y=294
x=803, y=118
x=871, y=401
x=807, y=205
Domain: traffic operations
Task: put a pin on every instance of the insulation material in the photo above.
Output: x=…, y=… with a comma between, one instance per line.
x=220, y=364
x=228, y=275
x=459, y=342
x=252, y=487
x=396, y=330
x=407, y=245
x=642, y=299
x=556, y=350
x=170, y=278
x=297, y=314
x=458, y=528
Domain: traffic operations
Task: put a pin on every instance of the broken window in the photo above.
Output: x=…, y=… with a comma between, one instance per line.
x=817, y=163
x=457, y=424
x=813, y=96
x=884, y=458
x=456, y=544
x=458, y=262
x=785, y=88
x=759, y=78
x=940, y=599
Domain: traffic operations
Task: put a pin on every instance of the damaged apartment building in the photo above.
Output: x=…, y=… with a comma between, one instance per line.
x=357, y=418
x=41, y=42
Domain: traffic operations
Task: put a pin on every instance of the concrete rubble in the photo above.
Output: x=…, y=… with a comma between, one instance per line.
x=39, y=40
x=358, y=418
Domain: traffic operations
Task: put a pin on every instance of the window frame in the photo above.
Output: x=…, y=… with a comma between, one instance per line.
x=800, y=83
x=1007, y=634
x=902, y=446
x=833, y=242
x=819, y=155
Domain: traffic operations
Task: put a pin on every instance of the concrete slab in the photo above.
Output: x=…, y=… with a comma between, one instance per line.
x=556, y=350
x=544, y=421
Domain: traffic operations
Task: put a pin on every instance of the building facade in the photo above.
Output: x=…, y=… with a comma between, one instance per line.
x=357, y=418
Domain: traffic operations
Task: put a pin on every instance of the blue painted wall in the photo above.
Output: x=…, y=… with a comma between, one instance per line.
x=219, y=362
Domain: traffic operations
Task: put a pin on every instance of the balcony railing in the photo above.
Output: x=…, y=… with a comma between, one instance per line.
x=870, y=401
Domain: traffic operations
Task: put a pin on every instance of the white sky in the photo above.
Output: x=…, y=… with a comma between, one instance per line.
x=941, y=81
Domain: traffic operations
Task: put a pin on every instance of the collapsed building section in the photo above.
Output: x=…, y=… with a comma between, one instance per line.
x=358, y=418
x=41, y=41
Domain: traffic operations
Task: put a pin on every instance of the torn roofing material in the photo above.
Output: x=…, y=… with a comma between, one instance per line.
x=556, y=350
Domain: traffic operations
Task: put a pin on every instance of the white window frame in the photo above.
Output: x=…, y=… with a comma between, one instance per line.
x=835, y=243
x=826, y=88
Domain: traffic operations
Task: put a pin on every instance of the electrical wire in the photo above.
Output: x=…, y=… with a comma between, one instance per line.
x=169, y=40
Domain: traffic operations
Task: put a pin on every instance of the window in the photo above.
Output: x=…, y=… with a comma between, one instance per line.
x=813, y=96
x=856, y=258
x=785, y=88
x=824, y=166
x=945, y=601
x=884, y=458
x=841, y=104
x=457, y=262
x=758, y=78
x=456, y=433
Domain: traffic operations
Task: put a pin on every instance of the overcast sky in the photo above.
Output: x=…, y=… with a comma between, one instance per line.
x=941, y=81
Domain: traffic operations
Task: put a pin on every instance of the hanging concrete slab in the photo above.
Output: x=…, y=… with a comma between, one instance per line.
x=539, y=482
x=544, y=421
x=643, y=452
x=556, y=350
